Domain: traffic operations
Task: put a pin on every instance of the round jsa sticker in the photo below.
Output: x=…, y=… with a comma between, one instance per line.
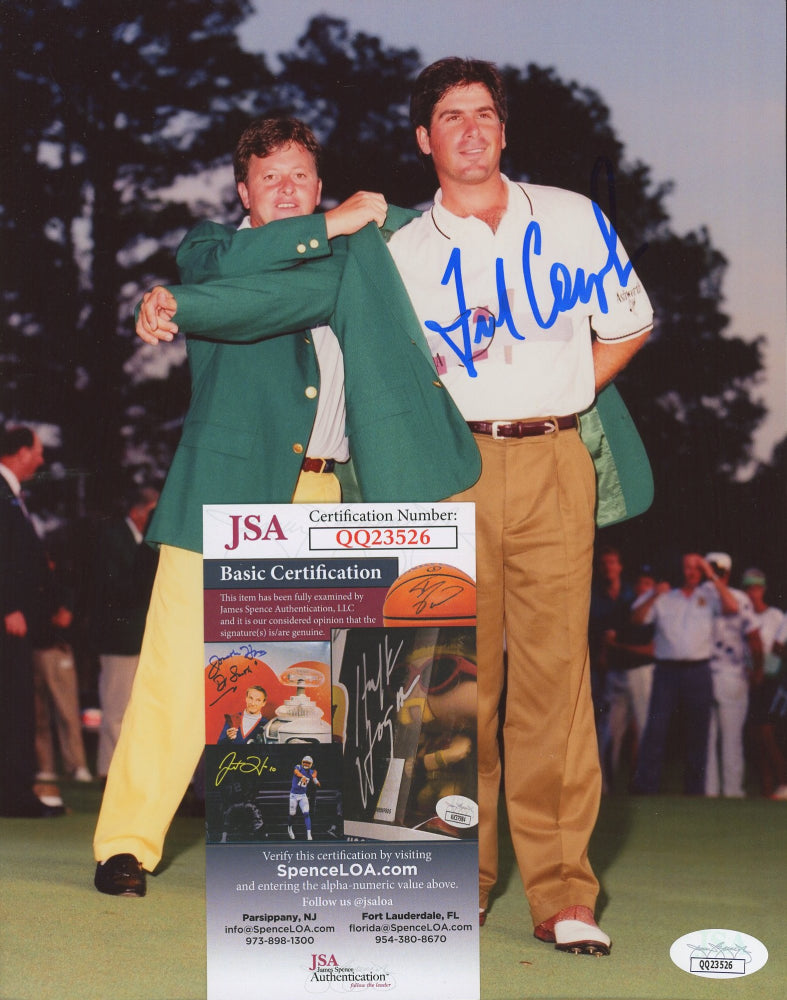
x=718, y=954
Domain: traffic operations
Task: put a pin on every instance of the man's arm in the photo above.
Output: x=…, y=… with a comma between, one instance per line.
x=729, y=603
x=246, y=310
x=261, y=261
x=212, y=252
x=640, y=614
x=243, y=310
x=610, y=359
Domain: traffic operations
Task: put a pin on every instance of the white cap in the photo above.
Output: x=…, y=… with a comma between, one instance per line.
x=720, y=559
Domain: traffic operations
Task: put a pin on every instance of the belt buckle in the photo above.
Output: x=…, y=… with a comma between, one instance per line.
x=552, y=427
x=495, y=425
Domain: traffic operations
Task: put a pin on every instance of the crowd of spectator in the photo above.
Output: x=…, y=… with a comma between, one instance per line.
x=686, y=679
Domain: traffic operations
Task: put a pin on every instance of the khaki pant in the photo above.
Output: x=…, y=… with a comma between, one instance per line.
x=534, y=521
x=163, y=731
x=56, y=684
x=115, y=681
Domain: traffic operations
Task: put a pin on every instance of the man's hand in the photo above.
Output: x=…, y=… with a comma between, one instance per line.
x=354, y=213
x=155, y=315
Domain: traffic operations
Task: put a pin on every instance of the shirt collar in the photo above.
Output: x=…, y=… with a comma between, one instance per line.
x=11, y=479
x=138, y=536
x=454, y=227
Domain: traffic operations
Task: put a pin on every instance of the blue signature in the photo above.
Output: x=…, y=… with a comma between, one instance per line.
x=567, y=290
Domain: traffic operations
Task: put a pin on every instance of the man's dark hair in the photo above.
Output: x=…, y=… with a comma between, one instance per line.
x=13, y=439
x=257, y=687
x=436, y=80
x=264, y=136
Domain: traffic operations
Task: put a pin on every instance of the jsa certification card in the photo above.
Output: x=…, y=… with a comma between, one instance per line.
x=341, y=759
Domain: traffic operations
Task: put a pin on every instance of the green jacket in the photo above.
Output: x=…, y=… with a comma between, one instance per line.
x=254, y=373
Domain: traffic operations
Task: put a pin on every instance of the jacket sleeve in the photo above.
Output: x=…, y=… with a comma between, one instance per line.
x=212, y=252
x=252, y=308
x=242, y=286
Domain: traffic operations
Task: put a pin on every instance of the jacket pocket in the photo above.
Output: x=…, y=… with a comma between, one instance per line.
x=226, y=439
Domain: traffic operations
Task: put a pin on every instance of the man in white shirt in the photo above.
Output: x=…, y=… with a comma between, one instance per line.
x=683, y=640
x=529, y=305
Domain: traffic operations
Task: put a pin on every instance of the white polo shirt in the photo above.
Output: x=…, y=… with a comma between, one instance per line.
x=684, y=623
x=503, y=312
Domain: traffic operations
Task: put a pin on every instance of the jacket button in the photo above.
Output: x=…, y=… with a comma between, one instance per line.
x=311, y=392
x=297, y=448
x=438, y=383
x=313, y=243
x=301, y=248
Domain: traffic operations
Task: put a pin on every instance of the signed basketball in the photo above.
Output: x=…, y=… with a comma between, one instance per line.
x=432, y=594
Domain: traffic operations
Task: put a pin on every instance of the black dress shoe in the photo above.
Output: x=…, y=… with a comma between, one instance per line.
x=121, y=875
x=32, y=808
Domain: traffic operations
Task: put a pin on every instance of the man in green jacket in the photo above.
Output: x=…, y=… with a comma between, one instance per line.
x=267, y=424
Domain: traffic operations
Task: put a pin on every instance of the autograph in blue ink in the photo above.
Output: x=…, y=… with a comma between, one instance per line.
x=567, y=289
x=221, y=680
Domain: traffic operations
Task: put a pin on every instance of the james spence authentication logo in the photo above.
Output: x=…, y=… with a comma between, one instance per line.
x=326, y=968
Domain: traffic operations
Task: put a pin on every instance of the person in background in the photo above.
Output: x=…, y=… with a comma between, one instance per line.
x=27, y=605
x=629, y=683
x=57, y=687
x=683, y=620
x=123, y=569
x=777, y=713
x=736, y=662
x=610, y=601
x=770, y=762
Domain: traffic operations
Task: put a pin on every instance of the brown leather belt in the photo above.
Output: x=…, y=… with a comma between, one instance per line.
x=523, y=428
x=318, y=464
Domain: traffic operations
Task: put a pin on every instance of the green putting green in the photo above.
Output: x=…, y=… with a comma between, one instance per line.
x=668, y=866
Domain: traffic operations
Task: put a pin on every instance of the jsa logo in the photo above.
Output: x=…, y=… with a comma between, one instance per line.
x=251, y=528
x=322, y=962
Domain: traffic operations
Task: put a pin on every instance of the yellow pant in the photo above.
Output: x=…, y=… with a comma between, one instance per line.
x=163, y=732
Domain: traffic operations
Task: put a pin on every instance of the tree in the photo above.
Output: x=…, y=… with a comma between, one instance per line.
x=354, y=92
x=106, y=107
x=162, y=90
